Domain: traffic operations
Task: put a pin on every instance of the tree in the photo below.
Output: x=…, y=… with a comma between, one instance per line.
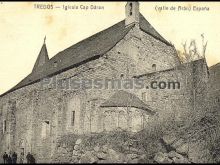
x=191, y=51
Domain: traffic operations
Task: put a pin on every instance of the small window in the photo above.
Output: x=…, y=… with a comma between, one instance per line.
x=45, y=129
x=73, y=118
x=55, y=64
x=4, y=126
x=154, y=67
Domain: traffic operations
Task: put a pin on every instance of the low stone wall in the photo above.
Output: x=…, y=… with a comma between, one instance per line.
x=104, y=148
x=98, y=154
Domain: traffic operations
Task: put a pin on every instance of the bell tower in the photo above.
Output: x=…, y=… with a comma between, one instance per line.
x=132, y=13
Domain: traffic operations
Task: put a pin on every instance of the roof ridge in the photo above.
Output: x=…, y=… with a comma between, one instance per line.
x=214, y=65
x=149, y=29
x=87, y=38
x=86, y=50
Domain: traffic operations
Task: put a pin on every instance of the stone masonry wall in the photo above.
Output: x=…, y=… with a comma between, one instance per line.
x=181, y=103
x=37, y=107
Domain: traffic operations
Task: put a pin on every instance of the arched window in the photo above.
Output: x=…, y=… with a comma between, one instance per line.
x=4, y=126
x=122, y=120
x=154, y=67
x=109, y=121
x=136, y=122
x=73, y=118
x=45, y=129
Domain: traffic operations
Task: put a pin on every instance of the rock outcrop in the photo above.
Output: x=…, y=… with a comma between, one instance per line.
x=97, y=154
x=180, y=150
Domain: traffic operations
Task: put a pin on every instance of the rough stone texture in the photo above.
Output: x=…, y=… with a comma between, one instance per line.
x=97, y=154
x=169, y=139
x=171, y=157
x=26, y=110
x=162, y=158
x=183, y=149
x=190, y=145
x=35, y=105
x=79, y=141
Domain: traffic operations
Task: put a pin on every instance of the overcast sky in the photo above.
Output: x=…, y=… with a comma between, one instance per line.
x=23, y=27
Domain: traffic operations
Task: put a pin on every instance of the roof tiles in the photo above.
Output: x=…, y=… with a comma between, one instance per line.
x=86, y=50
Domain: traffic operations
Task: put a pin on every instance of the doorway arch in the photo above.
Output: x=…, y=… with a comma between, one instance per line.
x=22, y=150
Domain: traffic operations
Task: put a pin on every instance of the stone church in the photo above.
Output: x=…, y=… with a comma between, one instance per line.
x=32, y=118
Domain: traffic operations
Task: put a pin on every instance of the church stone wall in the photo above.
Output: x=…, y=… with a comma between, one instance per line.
x=142, y=52
x=179, y=104
x=42, y=115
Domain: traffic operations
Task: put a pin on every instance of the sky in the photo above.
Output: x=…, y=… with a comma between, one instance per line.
x=23, y=26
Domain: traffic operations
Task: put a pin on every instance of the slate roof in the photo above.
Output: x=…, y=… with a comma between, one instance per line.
x=41, y=59
x=124, y=99
x=215, y=67
x=86, y=50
